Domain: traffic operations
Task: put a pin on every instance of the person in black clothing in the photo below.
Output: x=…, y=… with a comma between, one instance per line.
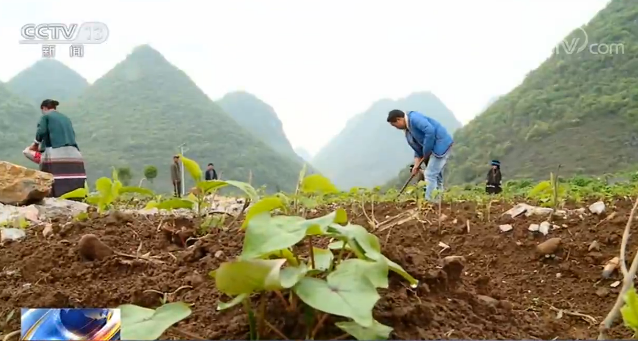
x=211, y=174
x=493, y=184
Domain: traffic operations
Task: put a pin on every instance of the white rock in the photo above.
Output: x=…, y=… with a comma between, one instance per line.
x=615, y=284
x=48, y=230
x=597, y=207
x=11, y=234
x=544, y=228
x=505, y=228
x=533, y=227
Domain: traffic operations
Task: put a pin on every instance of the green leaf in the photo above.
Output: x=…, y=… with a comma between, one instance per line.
x=137, y=190
x=265, y=234
x=284, y=253
x=338, y=245
x=140, y=323
x=103, y=186
x=246, y=276
x=235, y=301
x=375, y=271
x=317, y=183
x=340, y=294
x=377, y=331
x=173, y=204
x=264, y=205
x=79, y=193
x=192, y=168
x=210, y=185
x=291, y=275
x=630, y=310
x=246, y=188
x=323, y=258
x=399, y=270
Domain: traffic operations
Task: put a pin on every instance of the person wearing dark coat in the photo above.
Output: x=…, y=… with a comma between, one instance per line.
x=493, y=183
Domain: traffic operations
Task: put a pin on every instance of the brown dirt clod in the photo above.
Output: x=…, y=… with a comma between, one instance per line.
x=91, y=248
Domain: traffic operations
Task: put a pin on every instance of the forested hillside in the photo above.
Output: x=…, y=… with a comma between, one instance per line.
x=47, y=78
x=258, y=118
x=18, y=122
x=144, y=108
x=368, y=151
x=579, y=110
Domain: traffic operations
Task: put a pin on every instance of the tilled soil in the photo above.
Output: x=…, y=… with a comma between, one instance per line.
x=503, y=290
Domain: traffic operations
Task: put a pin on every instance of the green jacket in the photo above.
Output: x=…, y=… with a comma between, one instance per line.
x=55, y=130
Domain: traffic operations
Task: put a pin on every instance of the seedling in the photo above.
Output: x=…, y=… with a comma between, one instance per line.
x=139, y=323
x=322, y=282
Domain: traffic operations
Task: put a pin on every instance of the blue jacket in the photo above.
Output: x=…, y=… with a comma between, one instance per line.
x=426, y=135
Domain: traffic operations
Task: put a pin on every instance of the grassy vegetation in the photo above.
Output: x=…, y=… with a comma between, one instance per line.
x=18, y=120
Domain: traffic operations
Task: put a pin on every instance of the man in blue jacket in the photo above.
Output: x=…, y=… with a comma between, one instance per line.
x=430, y=141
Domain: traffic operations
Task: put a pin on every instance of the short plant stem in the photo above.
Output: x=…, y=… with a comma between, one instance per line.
x=293, y=301
x=262, y=314
x=628, y=279
x=340, y=256
x=318, y=326
x=312, y=252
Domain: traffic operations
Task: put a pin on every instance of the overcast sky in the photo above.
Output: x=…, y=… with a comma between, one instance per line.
x=317, y=63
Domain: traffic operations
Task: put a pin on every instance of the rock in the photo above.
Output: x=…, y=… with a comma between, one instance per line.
x=20, y=185
x=602, y=292
x=559, y=275
x=544, y=228
x=505, y=228
x=530, y=210
x=92, y=248
x=507, y=305
x=54, y=207
x=597, y=207
x=594, y=246
x=48, y=230
x=453, y=259
x=533, y=227
x=219, y=254
x=615, y=284
x=549, y=246
x=610, y=267
x=11, y=234
x=488, y=300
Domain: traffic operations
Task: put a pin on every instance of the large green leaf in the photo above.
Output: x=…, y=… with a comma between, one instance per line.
x=79, y=193
x=210, y=185
x=103, y=186
x=246, y=276
x=192, y=168
x=376, y=331
x=262, y=206
x=290, y=275
x=246, y=188
x=342, y=293
x=375, y=271
x=139, y=323
x=630, y=310
x=317, y=183
x=265, y=234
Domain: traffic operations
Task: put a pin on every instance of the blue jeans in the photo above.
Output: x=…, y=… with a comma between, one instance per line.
x=434, y=176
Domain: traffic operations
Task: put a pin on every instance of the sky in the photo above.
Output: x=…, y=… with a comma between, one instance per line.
x=317, y=63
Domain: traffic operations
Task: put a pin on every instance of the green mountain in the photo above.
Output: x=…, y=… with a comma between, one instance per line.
x=579, y=110
x=368, y=151
x=18, y=122
x=258, y=118
x=141, y=111
x=48, y=78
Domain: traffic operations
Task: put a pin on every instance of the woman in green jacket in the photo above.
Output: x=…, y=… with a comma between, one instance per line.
x=60, y=153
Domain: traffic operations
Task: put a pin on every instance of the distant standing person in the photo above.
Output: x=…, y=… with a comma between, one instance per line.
x=176, y=176
x=430, y=141
x=211, y=173
x=60, y=154
x=493, y=183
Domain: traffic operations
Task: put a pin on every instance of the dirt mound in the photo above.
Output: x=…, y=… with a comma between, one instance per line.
x=500, y=289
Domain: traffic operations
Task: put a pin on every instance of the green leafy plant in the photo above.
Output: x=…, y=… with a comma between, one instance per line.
x=629, y=311
x=323, y=282
x=125, y=175
x=139, y=323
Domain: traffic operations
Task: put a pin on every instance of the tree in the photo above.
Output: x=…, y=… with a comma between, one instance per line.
x=150, y=173
x=124, y=174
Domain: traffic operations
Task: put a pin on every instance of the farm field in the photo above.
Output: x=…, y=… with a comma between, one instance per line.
x=476, y=279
